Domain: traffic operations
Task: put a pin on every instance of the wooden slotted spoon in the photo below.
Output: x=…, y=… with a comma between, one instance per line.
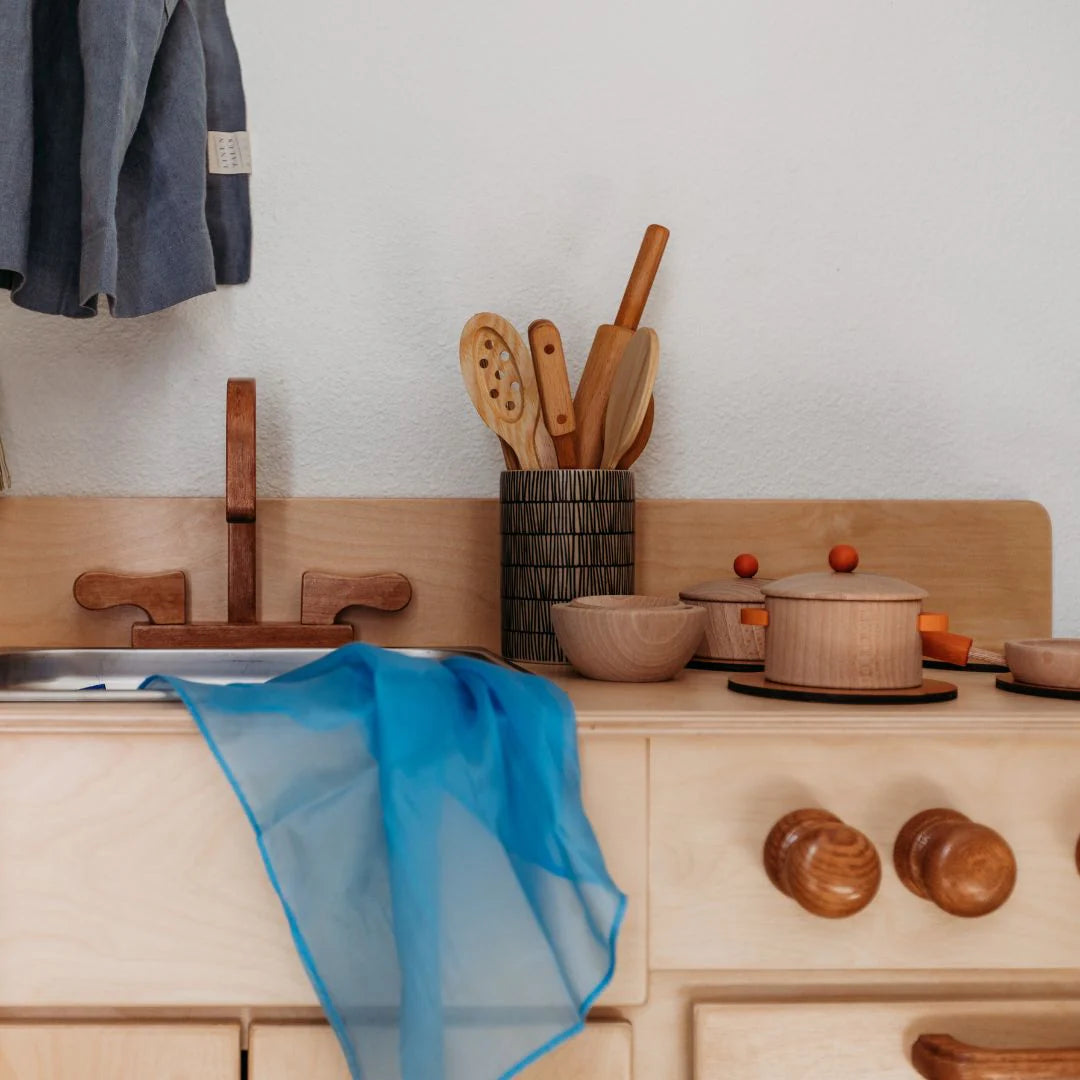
x=498, y=371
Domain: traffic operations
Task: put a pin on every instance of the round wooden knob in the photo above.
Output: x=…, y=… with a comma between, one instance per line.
x=825, y=866
x=965, y=868
x=843, y=558
x=746, y=566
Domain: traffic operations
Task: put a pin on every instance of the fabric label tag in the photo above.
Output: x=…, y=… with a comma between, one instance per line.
x=229, y=151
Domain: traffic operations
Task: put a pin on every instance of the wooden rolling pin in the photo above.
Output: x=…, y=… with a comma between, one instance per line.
x=590, y=402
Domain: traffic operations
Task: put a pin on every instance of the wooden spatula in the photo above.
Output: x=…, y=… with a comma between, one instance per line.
x=631, y=392
x=590, y=402
x=498, y=372
x=555, y=398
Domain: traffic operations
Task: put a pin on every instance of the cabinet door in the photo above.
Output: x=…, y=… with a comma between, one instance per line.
x=310, y=1052
x=137, y=841
x=120, y=1051
x=714, y=800
x=842, y=1041
x=614, y=782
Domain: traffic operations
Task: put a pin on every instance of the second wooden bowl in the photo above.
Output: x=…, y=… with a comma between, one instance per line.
x=1045, y=662
x=628, y=638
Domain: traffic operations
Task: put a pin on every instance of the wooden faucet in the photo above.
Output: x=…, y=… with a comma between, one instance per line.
x=164, y=596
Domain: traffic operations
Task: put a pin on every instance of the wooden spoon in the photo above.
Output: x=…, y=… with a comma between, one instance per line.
x=631, y=391
x=555, y=396
x=498, y=371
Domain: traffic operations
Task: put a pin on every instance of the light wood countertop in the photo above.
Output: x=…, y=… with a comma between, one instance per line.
x=698, y=702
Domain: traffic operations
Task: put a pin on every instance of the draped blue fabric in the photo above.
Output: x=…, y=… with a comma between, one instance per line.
x=422, y=824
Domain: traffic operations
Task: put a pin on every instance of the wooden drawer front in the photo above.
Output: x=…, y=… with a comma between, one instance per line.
x=856, y=1041
x=120, y=1051
x=714, y=800
x=310, y=1052
x=139, y=881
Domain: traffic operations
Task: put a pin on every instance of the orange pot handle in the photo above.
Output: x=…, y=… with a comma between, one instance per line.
x=949, y=648
x=933, y=620
x=754, y=616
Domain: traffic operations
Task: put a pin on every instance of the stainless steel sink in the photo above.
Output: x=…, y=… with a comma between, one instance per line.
x=91, y=675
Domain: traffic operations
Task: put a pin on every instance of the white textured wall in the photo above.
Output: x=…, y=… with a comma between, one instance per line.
x=872, y=286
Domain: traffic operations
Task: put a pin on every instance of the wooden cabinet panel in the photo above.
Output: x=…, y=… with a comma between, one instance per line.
x=851, y=1041
x=714, y=800
x=614, y=775
x=310, y=1052
x=139, y=881
x=120, y=1051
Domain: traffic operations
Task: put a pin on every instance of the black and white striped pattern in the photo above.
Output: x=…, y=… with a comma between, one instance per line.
x=565, y=533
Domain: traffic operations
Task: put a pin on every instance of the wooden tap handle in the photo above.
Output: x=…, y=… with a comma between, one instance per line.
x=642, y=276
x=965, y=868
x=240, y=451
x=162, y=596
x=323, y=597
x=825, y=866
x=941, y=1057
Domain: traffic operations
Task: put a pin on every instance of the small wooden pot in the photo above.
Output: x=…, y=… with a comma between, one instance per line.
x=727, y=638
x=847, y=631
x=565, y=533
x=1045, y=662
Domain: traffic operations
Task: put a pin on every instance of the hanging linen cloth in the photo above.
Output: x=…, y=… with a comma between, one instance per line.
x=422, y=824
x=107, y=115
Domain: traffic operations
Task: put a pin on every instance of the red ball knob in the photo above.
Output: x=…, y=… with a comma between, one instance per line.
x=746, y=565
x=843, y=558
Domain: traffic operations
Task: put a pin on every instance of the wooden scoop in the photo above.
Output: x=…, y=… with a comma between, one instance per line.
x=498, y=371
x=631, y=392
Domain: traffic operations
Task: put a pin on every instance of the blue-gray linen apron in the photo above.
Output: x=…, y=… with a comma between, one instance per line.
x=105, y=106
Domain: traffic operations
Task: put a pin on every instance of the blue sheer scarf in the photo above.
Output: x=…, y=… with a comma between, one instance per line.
x=422, y=824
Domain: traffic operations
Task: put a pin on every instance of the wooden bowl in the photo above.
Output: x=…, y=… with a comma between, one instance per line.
x=622, y=603
x=1045, y=662
x=628, y=638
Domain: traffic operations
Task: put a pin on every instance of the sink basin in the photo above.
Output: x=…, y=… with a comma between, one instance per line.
x=115, y=674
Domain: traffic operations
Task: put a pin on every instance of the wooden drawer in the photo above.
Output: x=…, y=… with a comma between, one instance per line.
x=310, y=1052
x=120, y=1051
x=714, y=800
x=856, y=1041
x=139, y=881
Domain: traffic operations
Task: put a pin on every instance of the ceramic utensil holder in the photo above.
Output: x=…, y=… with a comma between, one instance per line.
x=565, y=533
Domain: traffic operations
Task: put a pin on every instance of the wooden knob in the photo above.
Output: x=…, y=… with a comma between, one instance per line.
x=746, y=566
x=965, y=868
x=825, y=866
x=843, y=558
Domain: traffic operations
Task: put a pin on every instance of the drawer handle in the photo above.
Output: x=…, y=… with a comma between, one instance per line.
x=825, y=866
x=941, y=1057
x=965, y=868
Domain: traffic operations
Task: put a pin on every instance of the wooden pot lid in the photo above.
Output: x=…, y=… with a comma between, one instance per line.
x=730, y=591
x=743, y=589
x=842, y=583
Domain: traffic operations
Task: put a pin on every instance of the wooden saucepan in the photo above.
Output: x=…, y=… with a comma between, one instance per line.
x=847, y=631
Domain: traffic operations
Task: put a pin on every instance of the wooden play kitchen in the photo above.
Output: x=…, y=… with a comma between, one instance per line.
x=815, y=891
